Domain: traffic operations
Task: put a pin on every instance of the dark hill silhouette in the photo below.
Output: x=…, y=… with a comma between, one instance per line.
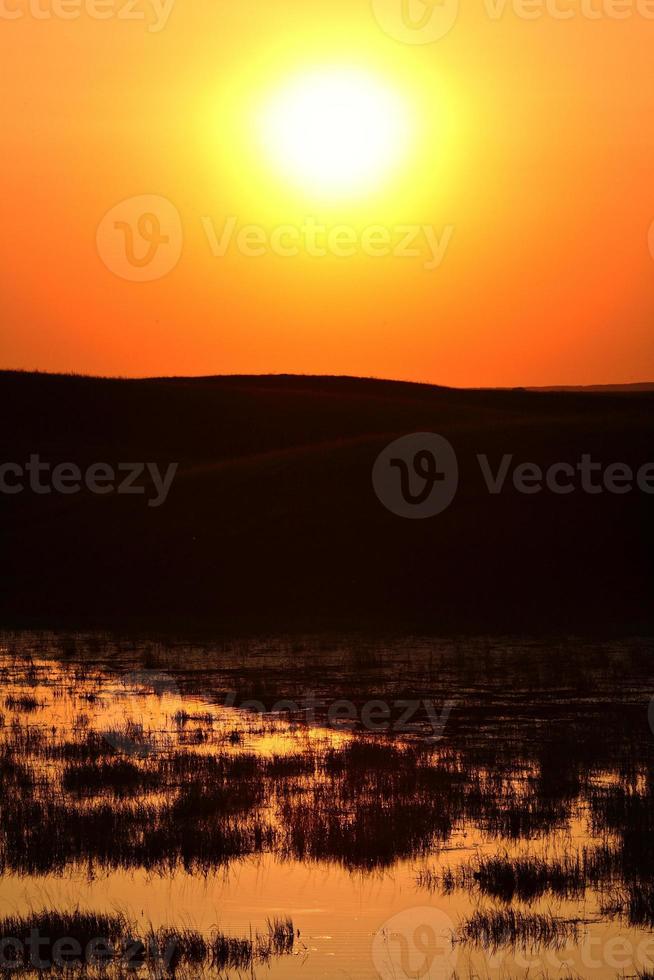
x=628, y=388
x=272, y=522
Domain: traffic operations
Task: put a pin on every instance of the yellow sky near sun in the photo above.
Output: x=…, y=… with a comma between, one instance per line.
x=529, y=186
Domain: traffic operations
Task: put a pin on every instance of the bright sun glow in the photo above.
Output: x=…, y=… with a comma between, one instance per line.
x=336, y=132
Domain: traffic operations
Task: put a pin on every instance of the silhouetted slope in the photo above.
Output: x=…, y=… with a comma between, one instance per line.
x=272, y=522
x=638, y=386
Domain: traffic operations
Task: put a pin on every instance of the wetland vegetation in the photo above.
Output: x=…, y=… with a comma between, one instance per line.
x=529, y=822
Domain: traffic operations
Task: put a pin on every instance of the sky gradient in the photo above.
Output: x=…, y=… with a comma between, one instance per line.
x=526, y=172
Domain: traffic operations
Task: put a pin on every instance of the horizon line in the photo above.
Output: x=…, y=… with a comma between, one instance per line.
x=605, y=386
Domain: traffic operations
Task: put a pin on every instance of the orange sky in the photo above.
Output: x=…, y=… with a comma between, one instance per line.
x=532, y=164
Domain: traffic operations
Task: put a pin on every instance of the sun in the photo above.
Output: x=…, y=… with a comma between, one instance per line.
x=336, y=131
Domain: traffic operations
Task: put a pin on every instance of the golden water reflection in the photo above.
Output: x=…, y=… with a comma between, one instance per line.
x=145, y=715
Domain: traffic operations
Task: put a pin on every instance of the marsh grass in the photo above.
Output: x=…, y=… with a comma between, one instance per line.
x=527, y=878
x=111, y=940
x=495, y=928
x=635, y=904
x=198, y=788
x=118, y=776
x=25, y=703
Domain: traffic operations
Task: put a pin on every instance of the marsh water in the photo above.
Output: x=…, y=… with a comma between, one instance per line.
x=414, y=807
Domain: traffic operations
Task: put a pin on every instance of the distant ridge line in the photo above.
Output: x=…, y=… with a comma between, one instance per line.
x=638, y=386
x=635, y=386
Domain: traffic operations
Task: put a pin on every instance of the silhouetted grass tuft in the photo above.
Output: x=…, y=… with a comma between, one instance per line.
x=509, y=927
x=79, y=940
